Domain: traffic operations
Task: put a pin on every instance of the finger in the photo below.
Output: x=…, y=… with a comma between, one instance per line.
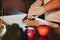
x=29, y=16
x=36, y=16
x=37, y=3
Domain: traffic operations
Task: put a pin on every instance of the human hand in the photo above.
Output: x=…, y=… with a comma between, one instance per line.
x=37, y=3
x=0, y=23
x=37, y=11
x=3, y=22
x=31, y=22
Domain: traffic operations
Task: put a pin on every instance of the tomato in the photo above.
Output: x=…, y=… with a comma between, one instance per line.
x=43, y=30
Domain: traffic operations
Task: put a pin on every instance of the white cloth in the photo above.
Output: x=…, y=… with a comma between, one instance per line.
x=11, y=19
x=18, y=20
x=3, y=31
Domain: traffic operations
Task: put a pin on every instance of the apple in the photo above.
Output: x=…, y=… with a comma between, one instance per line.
x=43, y=30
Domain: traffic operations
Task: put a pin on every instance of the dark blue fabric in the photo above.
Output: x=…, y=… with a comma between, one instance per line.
x=15, y=13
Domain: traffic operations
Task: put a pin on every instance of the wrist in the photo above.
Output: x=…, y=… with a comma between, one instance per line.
x=41, y=10
x=44, y=10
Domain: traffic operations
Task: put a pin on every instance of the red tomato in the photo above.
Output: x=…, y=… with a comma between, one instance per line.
x=43, y=30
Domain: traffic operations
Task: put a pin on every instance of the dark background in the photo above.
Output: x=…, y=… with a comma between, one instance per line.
x=15, y=5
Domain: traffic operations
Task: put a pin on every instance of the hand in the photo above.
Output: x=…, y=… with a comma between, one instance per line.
x=33, y=7
x=37, y=11
x=3, y=22
x=37, y=3
x=0, y=23
x=31, y=22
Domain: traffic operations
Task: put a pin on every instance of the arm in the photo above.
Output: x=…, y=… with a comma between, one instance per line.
x=3, y=22
x=38, y=10
x=53, y=4
x=35, y=23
